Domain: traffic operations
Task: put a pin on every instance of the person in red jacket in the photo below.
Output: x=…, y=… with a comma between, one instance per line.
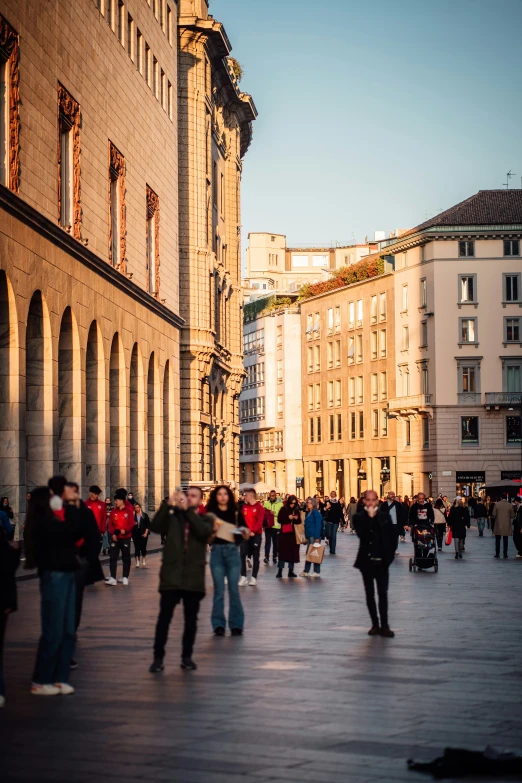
x=253, y=514
x=99, y=509
x=121, y=522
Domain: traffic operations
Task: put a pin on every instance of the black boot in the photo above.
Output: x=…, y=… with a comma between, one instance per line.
x=374, y=630
x=279, y=574
x=292, y=573
x=188, y=663
x=220, y=631
x=156, y=666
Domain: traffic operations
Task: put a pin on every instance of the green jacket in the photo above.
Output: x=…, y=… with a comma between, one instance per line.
x=275, y=508
x=180, y=569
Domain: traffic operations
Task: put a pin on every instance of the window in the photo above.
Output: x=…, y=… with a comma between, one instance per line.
x=468, y=330
x=405, y=338
x=424, y=334
x=169, y=101
x=353, y=426
x=148, y=69
x=351, y=350
x=280, y=405
x=279, y=336
x=280, y=371
x=331, y=427
x=351, y=315
x=404, y=298
x=310, y=359
x=360, y=389
x=309, y=326
x=330, y=395
x=359, y=312
x=317, y=396
x=466, y=249
x=279, y=440
x=405, y=383
x=311, y=397
x=512, y=330
x=330, y=320
x=139, y=52
x=382, y=306
x=351, y=391
x=329, y=355
x=222, y=195
x=117, y=208
x=152, y=241
x=361, y=424
x=337, y=353
x=382, y=346
x=299, y=260
x=359, y=348
x=319, y=260
x=66, y=173
x=317, y=358
x=311, y=430
x=467, y=289
x=512, y=375
x=513, y=431
x=423, y=293
x=155, y=7
x=163, y=90
x=339, y=426
x=384, y=423
x=337, y=318
x=511, y=247
x=4, y=122
x=469, y=429
x=169, y=27
x=130, y=37
x=512, y=288
x=162, y=14
x=424, y=380
x=318, y=430
x=407, y=432
x=155, y=77
x=317, y=324
x=374, y=391
x=375, y=424
x=338, y=393
x=425, y=422
x=373, y=345
x=373, y=309
x=468, y=379
x=109, y=10
x=121, y=22
x=383, y=386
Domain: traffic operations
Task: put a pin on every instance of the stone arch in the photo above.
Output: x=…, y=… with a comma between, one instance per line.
x=138, y=428
x=118, y=416
x=155, y=457
x=70, y=446
x=39, y=427
x=11, y=476
x=169, y=458
x=95, y=411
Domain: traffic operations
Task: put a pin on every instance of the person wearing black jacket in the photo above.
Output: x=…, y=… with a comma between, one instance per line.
x=481, y=515
x=9, y=559
x=334, y=517
x=420, y=513
x=397, y=512
x=377, y=545
x=140, y=535
x=458, y=521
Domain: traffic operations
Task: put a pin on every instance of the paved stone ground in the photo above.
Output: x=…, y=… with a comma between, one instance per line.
x=305, y=695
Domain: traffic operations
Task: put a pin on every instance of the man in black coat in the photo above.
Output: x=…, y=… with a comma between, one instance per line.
x=377, y=545
x=397, y=512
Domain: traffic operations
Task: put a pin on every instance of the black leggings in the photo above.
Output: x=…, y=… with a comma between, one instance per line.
x=440, y=530
x=379, y=574
x=121, y=545
x=140, y=545
x=250, y=548
x=168, y=602
x=271, y=537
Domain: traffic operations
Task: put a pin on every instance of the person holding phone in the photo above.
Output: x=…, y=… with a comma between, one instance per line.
x=140, y=535
x=289, y=517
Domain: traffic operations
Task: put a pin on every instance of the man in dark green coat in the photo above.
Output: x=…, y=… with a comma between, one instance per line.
x=182, y=574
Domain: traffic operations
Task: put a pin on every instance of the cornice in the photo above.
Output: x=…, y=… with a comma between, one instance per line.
x=449, y=232
x=22, y=211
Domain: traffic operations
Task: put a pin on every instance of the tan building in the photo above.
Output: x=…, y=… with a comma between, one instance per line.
x=458, y=346
x=89, y=246
x=348, y=361
x=215, y=126
x=270, y=402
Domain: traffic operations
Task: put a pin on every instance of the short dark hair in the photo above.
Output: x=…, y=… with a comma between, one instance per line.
x=57, y=484
x=95, y=489
x=193, y=486
x=120, y=494
x=73, y=484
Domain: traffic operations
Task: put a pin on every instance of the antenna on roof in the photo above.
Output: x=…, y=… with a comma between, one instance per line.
x=508, y=177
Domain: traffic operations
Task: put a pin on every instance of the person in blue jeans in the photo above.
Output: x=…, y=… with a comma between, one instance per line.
x=313, y=531
x=225, y=561
x=334, y=517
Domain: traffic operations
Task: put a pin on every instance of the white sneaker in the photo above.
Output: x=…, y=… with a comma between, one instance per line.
x=253, y=581
x=316, y=576
x=64, y=688
x=249, y=563
x=44, y=690
x=125, y=581
x=243, y=581
x=143, y=563
x=120, y=580
x=2, y=701
x=226, y=580
x=305, y=573
x=110, y=581
x=137, y=563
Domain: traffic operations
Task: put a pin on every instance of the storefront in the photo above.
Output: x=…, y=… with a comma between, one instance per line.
x=470, y=482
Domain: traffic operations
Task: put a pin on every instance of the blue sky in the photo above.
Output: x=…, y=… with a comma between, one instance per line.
x=374, y=114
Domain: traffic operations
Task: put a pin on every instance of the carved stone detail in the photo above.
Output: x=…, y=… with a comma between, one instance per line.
x=10, y=52
x=69, y=118
x=117, y=171
x=153, y=211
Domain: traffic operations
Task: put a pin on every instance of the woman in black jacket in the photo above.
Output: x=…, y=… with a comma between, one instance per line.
x=458, y=521
x=9, y=559
x=288, y=518
x=140, y=535
x=6, y=508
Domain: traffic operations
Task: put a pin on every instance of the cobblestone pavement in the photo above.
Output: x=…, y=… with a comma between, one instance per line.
x=305, y=695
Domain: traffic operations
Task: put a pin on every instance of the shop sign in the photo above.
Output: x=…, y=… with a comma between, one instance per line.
x=511, y=475
x=472, y=476
x=446, y=472
x=299, y=482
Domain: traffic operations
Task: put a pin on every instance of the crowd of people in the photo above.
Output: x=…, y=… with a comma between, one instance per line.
x=64, y=537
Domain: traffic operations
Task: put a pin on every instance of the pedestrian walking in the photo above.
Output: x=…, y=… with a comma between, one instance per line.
x=420, y=513
x=225, y=565
x=99, y=510
x=352, y=510
x=334, y=517
x=503, y=515
x=9, y=560
x=458, y=521
x=105, y=542
x=182, y=574
x=52, y=531
x=140, y=535
x=397, y=512
x=517, y=527
x=313, y=531
x=481, y=514
x=273, y=504
x=377, y=545
x=121, y=523
x=253, y=515
x=439, y=518
x=289, y=516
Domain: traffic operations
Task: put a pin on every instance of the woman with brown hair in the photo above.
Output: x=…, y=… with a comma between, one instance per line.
x=289, y=517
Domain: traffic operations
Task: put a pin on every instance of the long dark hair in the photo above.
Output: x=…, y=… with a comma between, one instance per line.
x=38, y=508
x=212, y=504
x=290, y=499
x=2, y=501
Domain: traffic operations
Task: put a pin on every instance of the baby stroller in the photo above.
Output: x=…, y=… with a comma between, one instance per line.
x=424, y=547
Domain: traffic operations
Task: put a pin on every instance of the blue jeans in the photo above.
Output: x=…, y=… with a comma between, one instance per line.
x=58, y=639
x=226, y=562
x=481, y=524
x=334, y=527
x=317, y=566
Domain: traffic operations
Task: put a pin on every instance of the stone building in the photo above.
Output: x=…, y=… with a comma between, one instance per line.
x=348, y=346
x=458, y=346
x=89, y=282
x=270, y=403
x=215, y=130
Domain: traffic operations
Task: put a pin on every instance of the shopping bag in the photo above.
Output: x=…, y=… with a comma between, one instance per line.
x=315, y=554
x=449, y=537
x=300, y=533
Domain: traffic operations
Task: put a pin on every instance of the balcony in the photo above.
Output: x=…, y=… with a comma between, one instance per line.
x=504, y=399
x=414, y=403
x=469, y=398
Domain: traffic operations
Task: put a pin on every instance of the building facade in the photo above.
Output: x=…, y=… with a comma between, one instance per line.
x=348, y=359
x=89, y=279
x=458, y=346
x=215, y=130
x=270, y=402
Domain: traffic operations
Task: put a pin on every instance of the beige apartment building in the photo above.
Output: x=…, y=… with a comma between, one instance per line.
x=270, y=402
x=215, y=127
x=458, y=346
x=348, y=359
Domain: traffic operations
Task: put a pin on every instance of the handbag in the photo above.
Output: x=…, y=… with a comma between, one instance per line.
x=449, y=537
x=287, y=528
